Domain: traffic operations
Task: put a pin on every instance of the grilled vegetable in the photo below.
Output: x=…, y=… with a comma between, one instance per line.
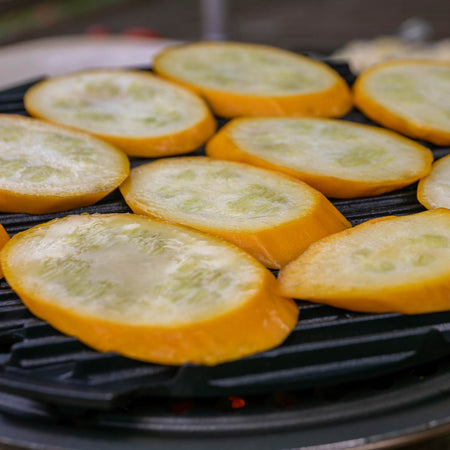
x=272, y=216
x=398, y=264
x=409, y=96
x=140, y=113
x=4, y=237
x=148, y=290
x=240, y=79
x=47, y=168
x=434, y=190
x=340, y=159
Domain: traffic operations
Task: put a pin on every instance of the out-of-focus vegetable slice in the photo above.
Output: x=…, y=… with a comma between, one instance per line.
x=142, y=114
x=4, y=237
x=409, y=96
x=434, y=190
x=48, y=168
x=240, y=79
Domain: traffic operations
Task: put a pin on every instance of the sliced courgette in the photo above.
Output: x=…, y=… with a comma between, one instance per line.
x=339, y=158
x=272, y=216
x=392, y=264
x=4, y=237
x=409, y=96
x=240, y=79
x=142, y=114
x=48, y=168
x=434, y=190
x=148, y=290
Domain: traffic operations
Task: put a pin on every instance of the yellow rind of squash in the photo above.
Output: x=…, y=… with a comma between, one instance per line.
x=274, y=246
x=262, y=322
x=222, y=146
x=408, y=296
x=39, y=203
x=428, y=188
x=367, y=102
x=183, y=141
x=13, y=202
x=336, y=101
x=4, y=238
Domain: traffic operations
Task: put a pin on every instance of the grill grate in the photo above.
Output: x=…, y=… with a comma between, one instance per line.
x=328, y=345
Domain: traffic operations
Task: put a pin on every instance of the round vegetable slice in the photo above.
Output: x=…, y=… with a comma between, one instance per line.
x=339, y=158
x=409, y=96
x=392, y=264
x=142, y=114
x=434, y=190
x=240, y=79
x=148, y=290
x=4, y=237
x=272, y=216
x=48, y=168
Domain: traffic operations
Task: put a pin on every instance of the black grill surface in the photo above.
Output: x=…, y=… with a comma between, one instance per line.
x=327, y=347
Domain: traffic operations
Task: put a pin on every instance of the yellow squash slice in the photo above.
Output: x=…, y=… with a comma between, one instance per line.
x=339, y=158
x=409, y=96
x=392, y=264
x=148, y=290
x=142, y=114
x=48, y=168
x=4, y=237
x=434, y=190
x=240, y=79
x=272, y=216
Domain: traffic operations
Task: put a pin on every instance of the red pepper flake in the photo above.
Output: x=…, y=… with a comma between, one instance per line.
x=236, y=402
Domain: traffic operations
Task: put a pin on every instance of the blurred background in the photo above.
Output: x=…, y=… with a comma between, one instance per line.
x=320, y=27
x=312, y=25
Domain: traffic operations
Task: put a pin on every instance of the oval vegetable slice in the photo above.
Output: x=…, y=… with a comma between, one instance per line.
x=240, y=79
x=48, y=168
x=434, y=190
x=142, y=114
x=272, y=216
x=339, y=158
x=409, y=96
x=392, y=264
x=4, y=237
x=148, y=290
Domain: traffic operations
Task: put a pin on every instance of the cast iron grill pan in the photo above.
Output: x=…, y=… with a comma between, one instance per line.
x=328, y=345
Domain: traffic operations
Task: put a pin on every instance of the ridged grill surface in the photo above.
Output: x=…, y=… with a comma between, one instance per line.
x=328, y=345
